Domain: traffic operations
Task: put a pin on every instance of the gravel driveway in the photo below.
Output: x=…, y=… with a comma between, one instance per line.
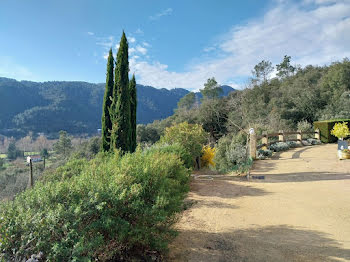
x=300, y=211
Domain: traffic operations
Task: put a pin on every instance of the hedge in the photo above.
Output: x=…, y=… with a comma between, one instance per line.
x=325, y=129
x=111, y=208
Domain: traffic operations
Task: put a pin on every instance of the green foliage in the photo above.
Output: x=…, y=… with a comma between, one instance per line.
x=191, y=136
x=263, y=154
x=293, y=144
x=110, y=208
x=279, y=146
x=72, y=106
x=64, y=144
x=121, y=121
x=187, y=101
x=133, y=107
x=230, y=155
x=211, y=89
x=175, y=148
x=325, y=129
x=285, y=68
x=107, y=102
x=262, y=70
x=74, y=167
x=12, y=181
x=304, y=126
x=2, y=162
x=88, y=149
x=213, y=116
x=44, y=153
x=13, y=152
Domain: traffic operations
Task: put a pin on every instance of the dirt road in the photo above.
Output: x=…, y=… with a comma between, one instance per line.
x=299, y=212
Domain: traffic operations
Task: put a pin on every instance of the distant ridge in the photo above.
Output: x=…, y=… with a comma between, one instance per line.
x=73, y=106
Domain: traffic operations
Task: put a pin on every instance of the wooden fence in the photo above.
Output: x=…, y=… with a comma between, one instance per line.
x=282, y=137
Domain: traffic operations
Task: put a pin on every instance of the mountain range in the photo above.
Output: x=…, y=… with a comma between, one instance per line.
x=76, y=107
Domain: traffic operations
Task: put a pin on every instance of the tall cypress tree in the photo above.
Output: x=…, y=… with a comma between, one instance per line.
x=133, y=105
x=107, y=102
x=121, y=110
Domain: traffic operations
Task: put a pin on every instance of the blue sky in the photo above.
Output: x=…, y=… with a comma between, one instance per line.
x=171, y=43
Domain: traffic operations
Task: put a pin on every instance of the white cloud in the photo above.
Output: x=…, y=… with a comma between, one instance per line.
x=146, y=44
x=132, y=50
x=312, y=32
x=116, y=46
x=106, y=42
x=131, y=39
x=141, y=49
x=165, y=12
x=90, y=33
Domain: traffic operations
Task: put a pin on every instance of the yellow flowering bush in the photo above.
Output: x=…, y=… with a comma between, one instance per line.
x=340, y=130
x=208, y=156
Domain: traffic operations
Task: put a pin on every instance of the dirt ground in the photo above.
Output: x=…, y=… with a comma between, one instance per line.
x=300, y=211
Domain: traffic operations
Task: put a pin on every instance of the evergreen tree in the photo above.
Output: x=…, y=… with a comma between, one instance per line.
x=211, y=89
x=121, y=133
x=64, y=144
x=107, y=102
x=133, y=106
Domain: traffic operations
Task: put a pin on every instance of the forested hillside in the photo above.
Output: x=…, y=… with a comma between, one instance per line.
x=295, y=95
x=72, y=106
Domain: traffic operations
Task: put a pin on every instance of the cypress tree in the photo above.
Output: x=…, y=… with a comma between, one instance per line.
x=133, y=106
x=121, y=133
x=107, y=102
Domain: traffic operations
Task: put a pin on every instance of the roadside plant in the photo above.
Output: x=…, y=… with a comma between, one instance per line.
x=191, y=136
x=230, y=155
x=340, y=130
x=279, y=146
x=292, y=144
x=262, y=154
x=208, y=156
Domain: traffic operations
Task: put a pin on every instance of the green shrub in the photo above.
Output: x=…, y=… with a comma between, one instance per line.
x=262, y=154
x=73, y=167
x=325, y=129
x=112, y=208
x=191, y=136
x=292, y=144
x=229, y=155
x=314, y=141
x=175, y=148
x=304, y=126
x=279, y=146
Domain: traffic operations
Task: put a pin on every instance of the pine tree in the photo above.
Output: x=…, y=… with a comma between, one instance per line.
x=121, y=132
x=107, y=102
x=133, y=106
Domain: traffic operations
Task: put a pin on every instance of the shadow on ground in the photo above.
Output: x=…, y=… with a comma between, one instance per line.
x=219, y=187
x=271, y=243
x=301, y=177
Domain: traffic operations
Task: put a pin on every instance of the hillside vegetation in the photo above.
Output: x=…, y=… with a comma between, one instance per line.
x=300, y=95
x=76, y=107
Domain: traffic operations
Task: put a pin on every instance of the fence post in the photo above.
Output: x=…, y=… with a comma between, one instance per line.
x=299, y=137
x=265, y=140
x=30, y=184
x=252, y=144
x=280, y=136
x=317, y=134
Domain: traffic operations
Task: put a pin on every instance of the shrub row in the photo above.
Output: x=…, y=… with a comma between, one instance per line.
x=110, y=208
